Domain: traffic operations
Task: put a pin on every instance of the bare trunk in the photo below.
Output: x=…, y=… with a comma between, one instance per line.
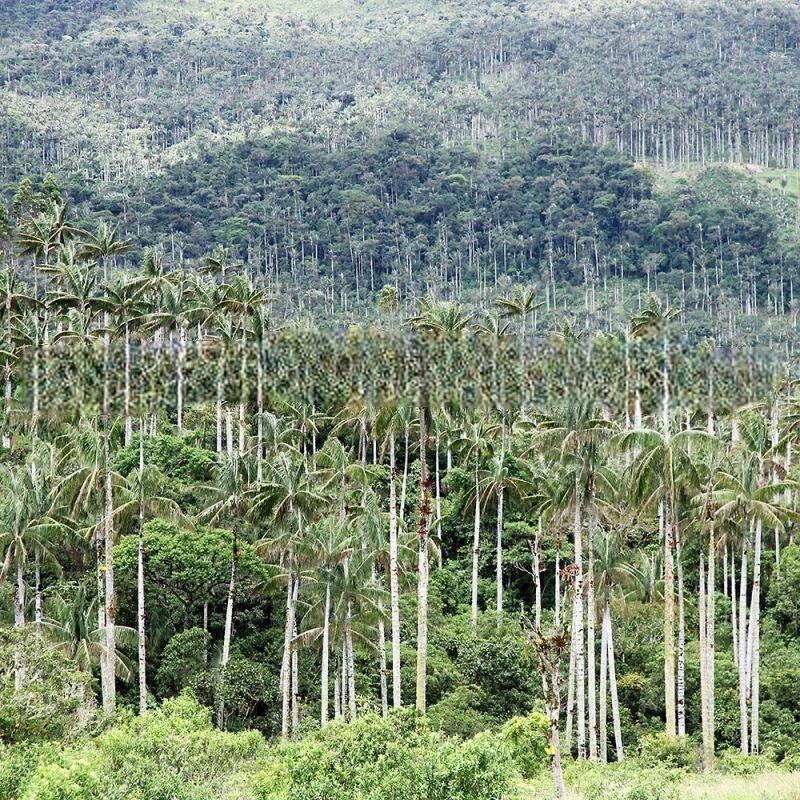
x=140, y=615
x=754, y=639
x=476, y=552
x=590, y=631
x=500, y=558
x=394, y=581
x=382, y=661
x=743, y=651
x=326, y=655
x=669, y=622
x=286, y=665
x=422, y=584
x=612, y=675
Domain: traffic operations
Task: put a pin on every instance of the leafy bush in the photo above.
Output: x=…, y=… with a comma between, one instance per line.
x=660, y=749
x=54, y=699
x=626, y=781
x=181, y=660
x=171, y=454
x=527, y=739
x=171, y=753
x=375, y=758
x=459, y=714
x=734, y=762
x=18, y=762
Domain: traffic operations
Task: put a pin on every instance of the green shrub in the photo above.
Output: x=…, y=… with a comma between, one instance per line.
x=660, y=749
x=74, y=780
x=170, y=753
x=734, y=762
x=527, y=739
x=458, y=714
x=18, y=762
x=375, y=759
x=626, y=781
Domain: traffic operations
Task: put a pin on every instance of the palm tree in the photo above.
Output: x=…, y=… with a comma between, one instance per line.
x=662, y=470
x=142, y=504
x=330, y=544
x=611, y=570
x=744, y=492
x=287, y=497
x=476, y=441
x=496, y=485
x=576, y=437
x=521, y=305
x=232, y=499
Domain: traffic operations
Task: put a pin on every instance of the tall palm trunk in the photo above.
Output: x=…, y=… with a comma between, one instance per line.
x=476, y=551
x=228, y=634
x=295, y=662
x=710, y=644
x=612, y=679
x=422, y=584
x=577, y=621
x=500, y=497
x=382, y=660
x=179, y=369
x=590, y=627
x=326, y=655
x=140, y=612
x=127, y=387
x=669, y=620
x=109, y=679
x=394, y=581
x=537, y=575
x=603, y=722
x=286, y=665
x=351, y=665
x=681, y=677
x=754, y=638
x=743, y=725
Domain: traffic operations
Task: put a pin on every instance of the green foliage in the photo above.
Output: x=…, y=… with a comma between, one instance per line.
x=171, y=752
x=626, y=781
x=527, y=739
x=373, y=759
x=184, y=656
x=661, y=749
x=458, y=713
x=54, y=695
x=734, y=762
x=173, y=455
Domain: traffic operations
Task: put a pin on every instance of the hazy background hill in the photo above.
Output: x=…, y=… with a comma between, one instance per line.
x=452, y=146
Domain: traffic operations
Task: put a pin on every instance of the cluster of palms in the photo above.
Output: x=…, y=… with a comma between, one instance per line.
x=95, y=358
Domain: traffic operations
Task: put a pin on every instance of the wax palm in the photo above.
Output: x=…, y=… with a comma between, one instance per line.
x=476, y=441
x=28, y=528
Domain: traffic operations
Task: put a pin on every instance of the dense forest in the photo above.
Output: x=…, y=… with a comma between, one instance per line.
x=399, y=400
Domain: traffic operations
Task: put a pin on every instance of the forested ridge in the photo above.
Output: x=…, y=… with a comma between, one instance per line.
x=399, y=400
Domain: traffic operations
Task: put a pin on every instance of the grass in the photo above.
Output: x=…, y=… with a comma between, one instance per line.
x=773, y=785
x=764, y=786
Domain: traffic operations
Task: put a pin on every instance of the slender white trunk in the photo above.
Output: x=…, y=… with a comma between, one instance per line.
x=743, y=651
x=286, y=665
x=577, y=623
x=351, y=666
x=500, y=558
x=405, y=478
x=701, y=611
x=110, y=687
x=604, y=688
x=19, y=595
x=394, y=581
x=295, y=662
x=382, y=660
x=537, y=574
x=422, y=580
x=755, y=638
x=590, y=632
x=140, y=612
x=38, y=611
x=476, y=552
x=127, y=389
x=557, y=584
x=326, y=655
x=734, y=624
x=612, y=676
x=710, y=643
x=681, y=679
